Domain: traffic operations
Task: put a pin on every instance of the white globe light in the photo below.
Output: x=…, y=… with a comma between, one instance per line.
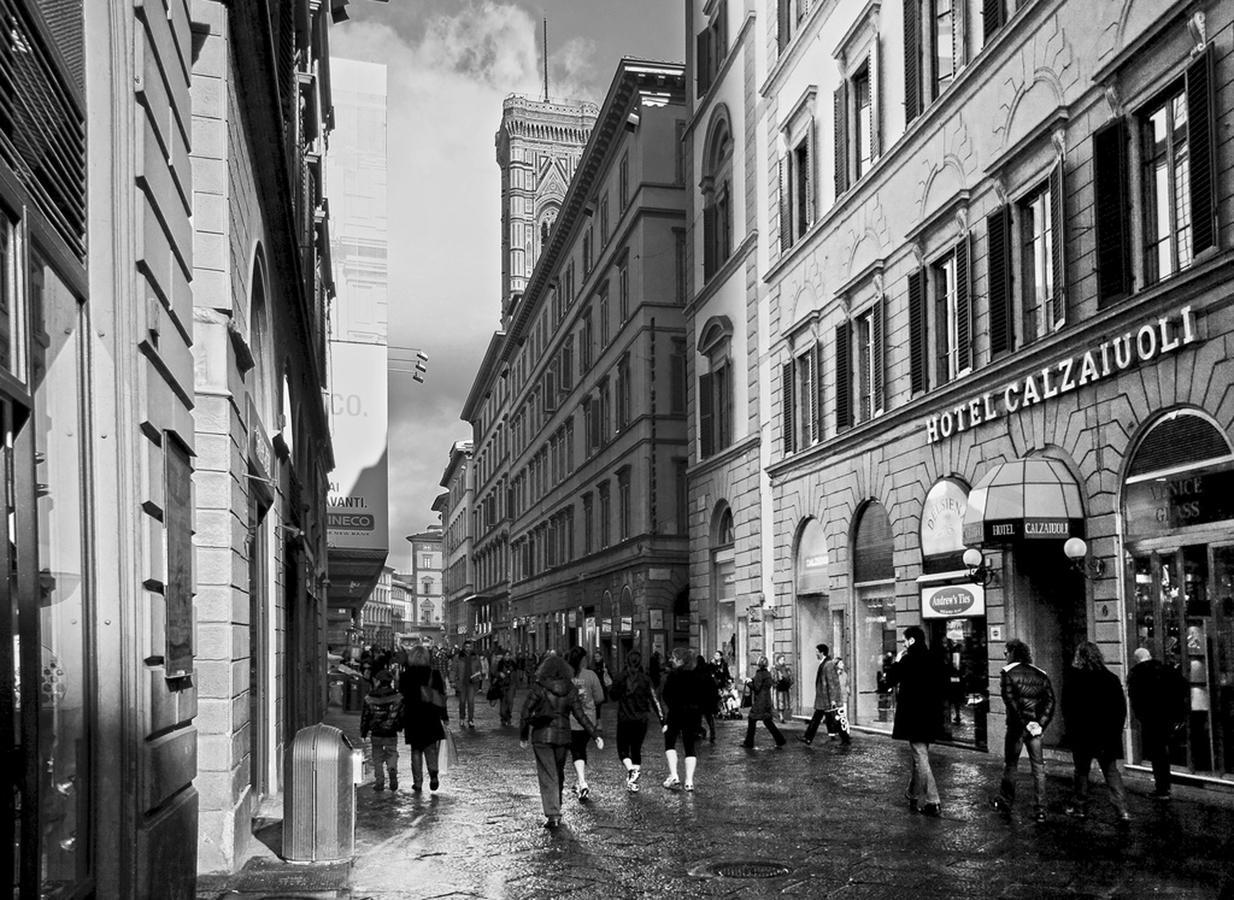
x=1075, y=548
x=973, y=557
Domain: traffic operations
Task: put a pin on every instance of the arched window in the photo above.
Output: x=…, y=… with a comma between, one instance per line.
x=717, y=188
x=260, y=343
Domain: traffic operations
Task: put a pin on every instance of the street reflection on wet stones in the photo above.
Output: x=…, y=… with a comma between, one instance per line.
x=832, y=816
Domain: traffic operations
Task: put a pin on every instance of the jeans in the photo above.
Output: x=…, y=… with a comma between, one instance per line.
x=1155, y=745
x=421, y=757
x=466, y=702
x=507, y=703
x=1014, y=743
x=385, y=756
x=630, y=736
x=921, y=785
x=771, y=726
x=1113, y=780
x=550, y=772
x=838, y=716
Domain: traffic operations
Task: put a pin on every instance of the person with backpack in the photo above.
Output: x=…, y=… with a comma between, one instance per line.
x=636, y=698
x=381, y=716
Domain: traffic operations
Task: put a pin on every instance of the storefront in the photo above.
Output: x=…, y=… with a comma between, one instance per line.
x=875, y=612
x=1178, y=517
x=817, y=622
x=953, y=612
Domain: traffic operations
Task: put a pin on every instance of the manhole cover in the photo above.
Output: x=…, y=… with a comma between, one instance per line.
x=750, y=870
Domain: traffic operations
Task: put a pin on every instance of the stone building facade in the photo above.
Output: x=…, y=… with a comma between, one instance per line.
x=458, y=579
x=997, y=282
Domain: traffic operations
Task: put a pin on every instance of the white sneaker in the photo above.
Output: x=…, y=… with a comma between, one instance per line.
x=689, y=785
x=672, y=781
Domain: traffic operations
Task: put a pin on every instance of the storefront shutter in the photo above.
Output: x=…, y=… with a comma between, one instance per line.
x=912, y=60
x=1202, y=155
x=706, y=416
x=879, y=362
x=841, y=142
x=918, y=380
x=844, y=377
x=963, y=308
x=789, y=412
x=992, y=16
x=1112, y=222
x=702, y=60
x=998, y=256
x=1058, y=240
x=786, y=224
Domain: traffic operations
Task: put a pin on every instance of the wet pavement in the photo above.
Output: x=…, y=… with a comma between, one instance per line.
x=821, y=821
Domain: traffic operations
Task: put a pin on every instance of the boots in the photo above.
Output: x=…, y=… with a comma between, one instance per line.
x=393, y=780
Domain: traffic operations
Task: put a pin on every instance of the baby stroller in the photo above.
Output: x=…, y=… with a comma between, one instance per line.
x=730, y=703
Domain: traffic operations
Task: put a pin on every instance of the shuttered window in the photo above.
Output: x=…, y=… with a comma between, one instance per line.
x=993, y=14
x=963, y=350
x=999, y=261
x=703, y=61
x=844, y=379
x=789, y=410
x=1058, y=244
x=917, y=337
x=912, y=60
x=1111, y=221
x=841, y=138
x=1200, y=134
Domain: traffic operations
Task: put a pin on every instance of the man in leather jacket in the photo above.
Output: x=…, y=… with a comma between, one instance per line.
x=1029, y=700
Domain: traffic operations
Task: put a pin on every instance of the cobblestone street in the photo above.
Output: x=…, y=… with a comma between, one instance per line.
x=832, y=818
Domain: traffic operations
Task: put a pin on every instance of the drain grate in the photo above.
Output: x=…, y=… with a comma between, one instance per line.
x=750, y=870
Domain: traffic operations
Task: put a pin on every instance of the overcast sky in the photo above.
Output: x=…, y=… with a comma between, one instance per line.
x=450, y=64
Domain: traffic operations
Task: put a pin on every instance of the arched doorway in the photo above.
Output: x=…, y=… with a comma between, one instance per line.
x=817, y=621
x=1178, y=505
x=875, y=613
x=719, y=630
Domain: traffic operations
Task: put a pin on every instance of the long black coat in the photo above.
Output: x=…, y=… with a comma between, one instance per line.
x=422, y=720
x=1094, y=712
x=919, y=700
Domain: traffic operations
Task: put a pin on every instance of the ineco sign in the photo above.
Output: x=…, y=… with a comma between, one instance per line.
x=1163, y=335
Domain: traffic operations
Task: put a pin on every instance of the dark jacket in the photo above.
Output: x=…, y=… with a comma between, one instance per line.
x=634, y=695
x=1027, y=695
x=1094, y=712
x=382, y=712
x=919, y=700
x=559, y=699
x=688, y=692
x=423, y=718
x=760, y=694
x=1157, y=693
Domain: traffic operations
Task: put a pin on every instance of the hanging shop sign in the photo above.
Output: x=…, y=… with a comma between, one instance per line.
x=1159, y=337
x=627, y=625
x=1160, y=505
x=953, y=601
x=606, y=627
x=942, y=519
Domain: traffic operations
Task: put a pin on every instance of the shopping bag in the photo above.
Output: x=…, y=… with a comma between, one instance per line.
x=447, y=755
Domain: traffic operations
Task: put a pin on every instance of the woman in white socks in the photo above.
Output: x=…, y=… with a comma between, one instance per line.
x=591, y=696
x=687, y=695
x=635, y=699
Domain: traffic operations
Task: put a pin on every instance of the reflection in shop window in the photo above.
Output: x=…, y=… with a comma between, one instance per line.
x=59, y=432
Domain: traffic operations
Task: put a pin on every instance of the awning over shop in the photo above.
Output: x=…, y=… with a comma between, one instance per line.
x=1025, y=499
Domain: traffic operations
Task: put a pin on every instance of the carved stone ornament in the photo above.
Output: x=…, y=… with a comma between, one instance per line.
x=1113, y=99
x=1059, y=139
x=961, y=219
x=878, y=284
x=1199, y=29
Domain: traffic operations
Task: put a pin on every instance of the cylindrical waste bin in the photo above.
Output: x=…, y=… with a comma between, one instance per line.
x=319, y=816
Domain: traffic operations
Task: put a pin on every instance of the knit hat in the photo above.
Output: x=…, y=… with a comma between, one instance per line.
x=385, y=675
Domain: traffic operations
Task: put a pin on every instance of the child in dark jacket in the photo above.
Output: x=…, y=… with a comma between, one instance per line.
x=382, y=717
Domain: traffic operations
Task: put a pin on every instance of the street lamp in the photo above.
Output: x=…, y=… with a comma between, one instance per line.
x=1076, y=550
x=978, y=571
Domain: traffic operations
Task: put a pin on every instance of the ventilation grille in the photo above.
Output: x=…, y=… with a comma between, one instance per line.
x=1181, y=440
x=42, y=129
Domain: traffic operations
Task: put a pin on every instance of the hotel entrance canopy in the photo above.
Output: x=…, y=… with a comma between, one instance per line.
x=1024, y=499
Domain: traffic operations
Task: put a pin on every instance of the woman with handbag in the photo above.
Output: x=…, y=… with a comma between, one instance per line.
x=545, y=720
x=424, y=714
x=784, y=683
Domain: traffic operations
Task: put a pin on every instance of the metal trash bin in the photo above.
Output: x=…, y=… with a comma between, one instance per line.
x=319, y=818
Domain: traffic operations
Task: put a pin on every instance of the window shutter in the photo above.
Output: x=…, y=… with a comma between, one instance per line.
x=724, y=407
x=879, y=362
x=702, y=60
x=789, y=417
x=998, y=256
x=844, y=377
x=709, y=241
x=1058, y=242
x=1112, y=215
x=992, y=15
x=816, y=401
x=964, y=308
x=810, y=176
x=782, y=35
x=786, y=223
x=1202, y=156
x=841, y=142
x=876, y=105
x=917, y=332
x=706, y=416
x=912, y=60
x=809, y=398
x=720, y=50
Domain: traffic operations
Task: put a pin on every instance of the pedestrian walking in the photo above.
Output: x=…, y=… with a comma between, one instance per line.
x=784, y=683
x=636, y=700
x=600, y=668
x=1094, y=713
x=468, y=674
x=721, y=680
x=830, y=698
x=504, y=682
x=760, y=705
x=381, y=716
x=688, y=693
x=424, y=714
x=1028, y=697
x=918, y=679
x=545, y=721
x=1158, y=701
x=591, y=697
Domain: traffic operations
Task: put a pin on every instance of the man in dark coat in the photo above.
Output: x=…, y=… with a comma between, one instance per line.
x=1157, y=694
x=829, y=697
x=1028, y=698
x=919, y=710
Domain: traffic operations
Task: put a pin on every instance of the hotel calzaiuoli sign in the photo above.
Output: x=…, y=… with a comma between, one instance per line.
x=1163, y=335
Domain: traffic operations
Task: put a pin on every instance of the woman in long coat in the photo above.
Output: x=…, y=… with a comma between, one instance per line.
x=1094, y=712
x=545, y=720
x=918, y=675
x=760, y=705
x=424, y=712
